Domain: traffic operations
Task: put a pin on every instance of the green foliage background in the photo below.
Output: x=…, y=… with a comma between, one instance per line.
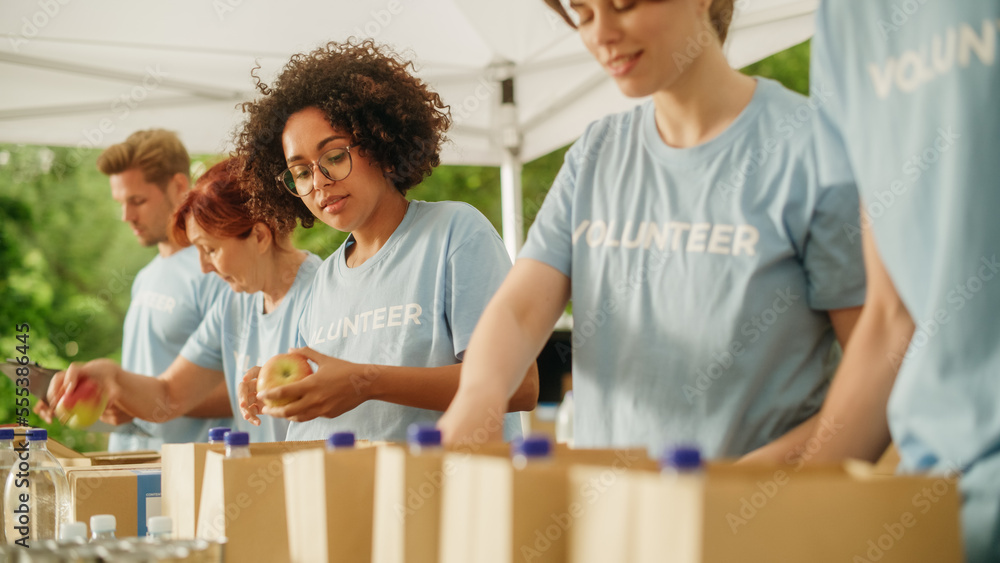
x=67, y=264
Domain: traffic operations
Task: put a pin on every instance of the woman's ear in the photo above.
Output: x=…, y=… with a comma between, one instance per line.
x=262, y=236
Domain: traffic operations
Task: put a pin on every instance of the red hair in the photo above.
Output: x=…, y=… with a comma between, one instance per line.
x=219, y=206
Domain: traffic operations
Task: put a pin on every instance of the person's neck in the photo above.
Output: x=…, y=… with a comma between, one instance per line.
x=703, y=101
x=280, y=269
x=370, y=238
x=168, y=248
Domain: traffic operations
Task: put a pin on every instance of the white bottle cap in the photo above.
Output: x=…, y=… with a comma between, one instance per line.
x=72, y=531
x=102, y=523
x=159, y=525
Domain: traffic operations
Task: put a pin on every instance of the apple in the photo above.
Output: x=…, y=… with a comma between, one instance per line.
x=83, y=406
x=281, y=370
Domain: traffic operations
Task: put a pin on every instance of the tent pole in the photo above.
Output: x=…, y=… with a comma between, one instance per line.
x=510, y=199
x=510, y=165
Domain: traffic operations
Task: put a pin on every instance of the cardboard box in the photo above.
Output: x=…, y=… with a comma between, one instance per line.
x=129, y=492
x=493, y=513
x=243, y=501
x=407, y=513
x=183, y=470
x=329, y=498
x=745, y=513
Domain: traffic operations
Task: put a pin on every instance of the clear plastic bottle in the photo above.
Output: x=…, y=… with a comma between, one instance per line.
x=160, y=528
x=533, y=448
x=102, y=528
x=73, y=533
x=237, y=445
x=36, y=496
x=423, y=438
x=7, y=460
x=564, y=420
x=217, y=434
x=340, y=441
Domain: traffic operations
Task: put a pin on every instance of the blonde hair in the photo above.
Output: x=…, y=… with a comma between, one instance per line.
x=720, y=13
x=158, y=153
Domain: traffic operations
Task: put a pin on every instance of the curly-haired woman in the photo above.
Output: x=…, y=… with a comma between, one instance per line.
x=341, y=135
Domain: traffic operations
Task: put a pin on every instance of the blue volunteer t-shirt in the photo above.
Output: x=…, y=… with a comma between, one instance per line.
x=237, y=335
x=414, y=303
x=170, y=297
x=700, y=277
x=913, y=113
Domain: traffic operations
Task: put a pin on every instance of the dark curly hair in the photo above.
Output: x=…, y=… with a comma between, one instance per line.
x=363, y=88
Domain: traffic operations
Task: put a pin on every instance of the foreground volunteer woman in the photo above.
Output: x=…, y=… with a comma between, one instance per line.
x=709, y=269
x=252, y=251
x=344, y=133
x=924, y=154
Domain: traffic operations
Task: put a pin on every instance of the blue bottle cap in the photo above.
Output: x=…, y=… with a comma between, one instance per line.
x=534, y=445
x=6, y=433
x=38, y=435
x=423, y=435
x=340, y=440
x=237, y=439
x=218, y=433
x=681, y=458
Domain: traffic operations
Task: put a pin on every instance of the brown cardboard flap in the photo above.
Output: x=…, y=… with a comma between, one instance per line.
x=183, y=469
x=494, y=513
x=243, y=500
x=780, y=514
x=329, y=502
x=407, y=506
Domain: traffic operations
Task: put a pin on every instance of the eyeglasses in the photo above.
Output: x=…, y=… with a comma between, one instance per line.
x=335, y=164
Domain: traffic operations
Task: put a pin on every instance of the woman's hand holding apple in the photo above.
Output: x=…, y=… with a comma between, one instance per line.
x=336, y=387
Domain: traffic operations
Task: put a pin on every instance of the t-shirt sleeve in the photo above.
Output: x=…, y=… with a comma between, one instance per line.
x=833, y=164
x=204, y=346
x=832, y=255
x=476, y=268
x=550, y=238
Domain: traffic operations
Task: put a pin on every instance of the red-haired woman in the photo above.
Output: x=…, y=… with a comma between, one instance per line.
x=250, y=249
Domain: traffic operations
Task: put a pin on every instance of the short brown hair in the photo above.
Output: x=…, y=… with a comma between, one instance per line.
x=158, y=153
x=720, y=13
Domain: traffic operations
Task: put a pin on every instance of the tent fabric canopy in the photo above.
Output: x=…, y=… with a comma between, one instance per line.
x=87, y=74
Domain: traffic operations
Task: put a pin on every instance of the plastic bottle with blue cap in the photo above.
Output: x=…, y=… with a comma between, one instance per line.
x=423, y=438
x=340, y=441
x=682, y=461
x=237, y=445
x=42, y=482
x=217, y=434
x=532, y=449
x=7, y=460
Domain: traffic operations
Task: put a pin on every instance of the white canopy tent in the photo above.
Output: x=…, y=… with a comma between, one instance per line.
x=88, y=74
